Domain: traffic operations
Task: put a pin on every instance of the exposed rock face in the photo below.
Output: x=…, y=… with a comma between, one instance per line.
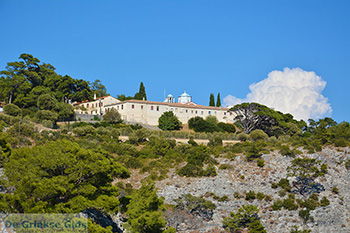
x=102, y=219
x=332, y=218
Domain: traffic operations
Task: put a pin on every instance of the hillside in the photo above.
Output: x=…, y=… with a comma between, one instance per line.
x=266, y=173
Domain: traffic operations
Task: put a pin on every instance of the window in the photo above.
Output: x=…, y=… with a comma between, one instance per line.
x=157, y=108
x=202, y=112
x=151, y=107
x=209, y=112
x=141, y=106
x=87, y=105
x=122, y=106
x=132, y=106
x=186, y=111
x=196, y=111
x=225, y=113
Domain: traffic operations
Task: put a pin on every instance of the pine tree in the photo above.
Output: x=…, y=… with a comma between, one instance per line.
x=141, y=95
x=212, y=100
x=218, y=100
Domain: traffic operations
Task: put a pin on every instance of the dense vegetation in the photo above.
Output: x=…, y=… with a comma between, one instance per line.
x=168, y=121
x=35, y=90
x=251, y=116
x=210, y=124
x=84, y=166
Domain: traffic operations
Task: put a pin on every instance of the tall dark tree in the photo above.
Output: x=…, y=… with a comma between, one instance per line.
x=98, y=88
x=211, y=100
x=218, y=100
x=141, y=95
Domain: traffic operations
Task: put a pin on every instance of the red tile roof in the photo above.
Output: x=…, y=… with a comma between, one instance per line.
x=187, y=105
x=87, y=101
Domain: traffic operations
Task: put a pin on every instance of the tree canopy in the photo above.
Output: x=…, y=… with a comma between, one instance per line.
x=251, y=116
x=34, y=86
x=218, y=100
x=141, y=94
x=60, y=176
x=168, y=121
x=211, y=100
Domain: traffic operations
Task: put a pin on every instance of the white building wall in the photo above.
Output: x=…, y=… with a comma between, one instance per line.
x=96, y=107
x=147, y=113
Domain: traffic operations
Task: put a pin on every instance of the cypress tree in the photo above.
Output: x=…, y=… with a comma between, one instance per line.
x=212, y=100
x=218, y=101
x=142, y=93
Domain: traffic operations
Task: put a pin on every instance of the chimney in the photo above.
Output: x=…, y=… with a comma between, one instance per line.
x=94, y=96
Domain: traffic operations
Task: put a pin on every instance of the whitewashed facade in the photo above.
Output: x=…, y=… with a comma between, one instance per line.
x=148, y=112
x=94, y=107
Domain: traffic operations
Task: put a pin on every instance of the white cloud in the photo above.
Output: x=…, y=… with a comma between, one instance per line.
x=292, y=91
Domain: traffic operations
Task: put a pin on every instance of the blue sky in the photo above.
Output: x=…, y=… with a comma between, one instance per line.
x=198, y=46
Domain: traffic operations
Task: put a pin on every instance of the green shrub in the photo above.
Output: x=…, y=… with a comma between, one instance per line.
x=215, y=141
x=282, y=193
x=192, y=142
x=260, y=162
x=335, y=190
x=84, y=131
x=306, y=168
x=138, y=136
x=12, y=110
x=225, y=166
x=253, y=151
x=168, y=121
x=347, y=164
x=223, y=198
x=112, y=116
x=47, y=123
x=286, y=151
x=190, y=170
x=243, y=137
x=196, y=206
x=47, y=102
x=230, y=128
x=251, y=195
x=341, y=142
x=245, y=217
x=324, y=201
x=237, y=195
x=277, y=205
x=24, y=129
x=284, y=184
x=290, y=204
x=258, y=134
x=295, y=229
x=42, y=115
x=311, y=203
x=144, y=211
x=198, y=124
x=268, y=198
x=305, y=215
x=260, y=196
x=209, y=171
